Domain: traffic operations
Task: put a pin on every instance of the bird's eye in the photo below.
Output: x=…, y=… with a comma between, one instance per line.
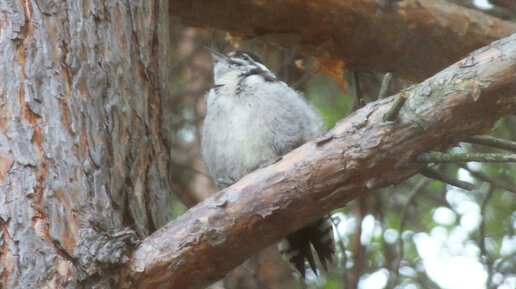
x=236, y=62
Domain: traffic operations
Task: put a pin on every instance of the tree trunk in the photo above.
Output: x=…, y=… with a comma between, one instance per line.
x=83, y=155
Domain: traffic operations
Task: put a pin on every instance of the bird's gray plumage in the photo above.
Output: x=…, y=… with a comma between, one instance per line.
x=252, y=118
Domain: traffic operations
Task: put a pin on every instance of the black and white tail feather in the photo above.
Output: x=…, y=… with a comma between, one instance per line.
x=252, y=118
x=296, y=247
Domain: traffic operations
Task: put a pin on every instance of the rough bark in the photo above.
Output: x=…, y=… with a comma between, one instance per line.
x=412, y=39
x=82, y=155
x=360, y=154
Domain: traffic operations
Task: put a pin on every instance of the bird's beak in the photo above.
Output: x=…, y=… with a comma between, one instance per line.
x=215, y=55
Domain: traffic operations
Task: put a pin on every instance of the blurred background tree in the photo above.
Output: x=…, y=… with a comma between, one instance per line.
x=455, y=229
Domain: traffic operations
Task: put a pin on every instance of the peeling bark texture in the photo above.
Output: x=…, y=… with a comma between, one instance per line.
x=412, y=39
x=82, y=157
x=359, y=154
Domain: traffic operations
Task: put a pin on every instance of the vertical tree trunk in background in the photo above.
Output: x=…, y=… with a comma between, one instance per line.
x=82, y=153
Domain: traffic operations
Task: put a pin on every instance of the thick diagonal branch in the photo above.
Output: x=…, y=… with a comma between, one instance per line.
x=411, y=39
x=360, y=154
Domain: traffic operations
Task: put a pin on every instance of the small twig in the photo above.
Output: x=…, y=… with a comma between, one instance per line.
x=386, y=83
x=415, y=190
x=359, y=101
x=495, y=182
x=302, y=80
x=482, y=235
x=357, y=249
x=342, y=247
x=502, y=262
x=492, y=142
x=435, y=174
x=396, y=106
x=438, y=157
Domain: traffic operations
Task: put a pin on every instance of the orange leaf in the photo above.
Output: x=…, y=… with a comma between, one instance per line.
x=334, y=68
